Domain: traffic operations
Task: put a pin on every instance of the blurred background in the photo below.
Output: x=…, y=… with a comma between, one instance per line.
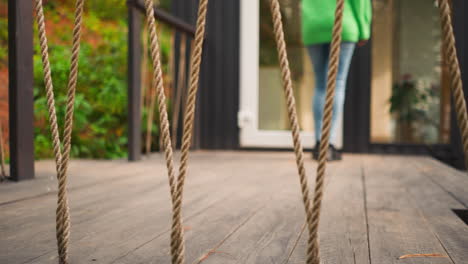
x=398, y=92
x=410, y=92
x=100, y=129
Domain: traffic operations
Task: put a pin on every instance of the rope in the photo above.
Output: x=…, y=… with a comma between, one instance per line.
x=454, y=68
x=291, y=106
x=314, y=257
x=3, y=175
x=158, y=88
x=61, y=156
x=177, y=237
x=312, y=214
x=177, y=244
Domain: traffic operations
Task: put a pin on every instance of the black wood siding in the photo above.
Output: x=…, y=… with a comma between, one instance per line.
x=218, y=97
x=460, y=22
x=356, y=118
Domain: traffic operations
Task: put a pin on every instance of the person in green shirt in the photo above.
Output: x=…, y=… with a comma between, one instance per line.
x=317, y=23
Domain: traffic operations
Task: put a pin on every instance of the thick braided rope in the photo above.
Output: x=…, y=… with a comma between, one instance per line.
x=177, y=249
x=2, y=155
x=454, y=68
x=158, y=88
x=291, y=106
x=196, y=58
x=327, y=118
x=61, y=158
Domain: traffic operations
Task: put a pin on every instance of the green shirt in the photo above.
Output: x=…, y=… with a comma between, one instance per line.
x=318, y=17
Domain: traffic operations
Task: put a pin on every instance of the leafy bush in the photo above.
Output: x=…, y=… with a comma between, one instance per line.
x=100, y=122
x=100, y=116
x=3, y=41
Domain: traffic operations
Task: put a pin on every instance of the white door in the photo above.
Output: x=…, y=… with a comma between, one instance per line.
x=262, y=118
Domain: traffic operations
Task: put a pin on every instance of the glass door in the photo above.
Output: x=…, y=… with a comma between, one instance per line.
x=410, y=95
x=263, y=117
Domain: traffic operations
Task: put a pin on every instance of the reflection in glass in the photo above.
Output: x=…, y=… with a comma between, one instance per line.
x=410, y=97
x=272, y=106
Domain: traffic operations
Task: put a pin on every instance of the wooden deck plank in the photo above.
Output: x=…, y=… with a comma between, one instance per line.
x=111, y=246
x=436, y=204
x=88, y=192
x=245, y=205
x=396, y=226
x=152, y=248
x=147, y=215
x=86, y=195
x=451, y=180
x=218, y=223
x=265, y=237
x=86, y=172
x=36, y=218
x=343, y=226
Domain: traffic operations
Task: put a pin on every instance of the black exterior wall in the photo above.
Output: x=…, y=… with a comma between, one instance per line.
x=460, y=22
x=357, y=103
x=218, y=97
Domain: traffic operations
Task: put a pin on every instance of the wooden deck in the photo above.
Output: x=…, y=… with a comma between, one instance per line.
x=242, y=207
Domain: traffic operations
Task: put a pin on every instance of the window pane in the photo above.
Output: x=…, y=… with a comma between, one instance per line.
x=272, y=105
x=410, y=99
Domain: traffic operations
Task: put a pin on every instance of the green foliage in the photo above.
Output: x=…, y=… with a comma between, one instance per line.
x=165, y=4
x=268, y=54
x=3, y=40
x=109, y=9
x=407, y=99
x=100, y=121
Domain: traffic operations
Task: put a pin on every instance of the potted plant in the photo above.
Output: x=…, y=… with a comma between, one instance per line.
x=406, y=105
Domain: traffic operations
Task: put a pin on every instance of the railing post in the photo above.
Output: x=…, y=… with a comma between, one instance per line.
x=134, y=82
x=20, y=90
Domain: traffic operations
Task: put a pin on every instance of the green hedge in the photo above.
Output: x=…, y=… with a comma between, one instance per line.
x=100, y=123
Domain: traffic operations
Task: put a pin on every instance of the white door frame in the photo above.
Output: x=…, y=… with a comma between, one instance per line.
x=250, y=134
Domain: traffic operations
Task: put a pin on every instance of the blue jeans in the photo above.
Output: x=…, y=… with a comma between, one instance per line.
x=319, y=54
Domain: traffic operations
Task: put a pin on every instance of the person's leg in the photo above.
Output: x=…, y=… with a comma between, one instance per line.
x=346, y=54
x=319, y=56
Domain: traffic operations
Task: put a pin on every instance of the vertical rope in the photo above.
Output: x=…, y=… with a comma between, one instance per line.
x=177, y=250
x=2, y=154
x=312, y=214
x=158, y=88
x=61, y=156
x=177, y=237
x=291, y=106
x=196, y=58
x=327, y=118
x=455, y=74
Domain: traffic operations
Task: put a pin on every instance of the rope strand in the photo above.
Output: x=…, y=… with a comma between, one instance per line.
x=177, y=236
x=62, y=156
x=314, y=257
x=312, y=214
x=3, y=175
x=291, y=106
x=158, y=88
x=455, y=74
x=196, y=58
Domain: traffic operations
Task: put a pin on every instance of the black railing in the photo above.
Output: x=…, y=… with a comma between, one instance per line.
x=136, y=9
x=167, y=18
